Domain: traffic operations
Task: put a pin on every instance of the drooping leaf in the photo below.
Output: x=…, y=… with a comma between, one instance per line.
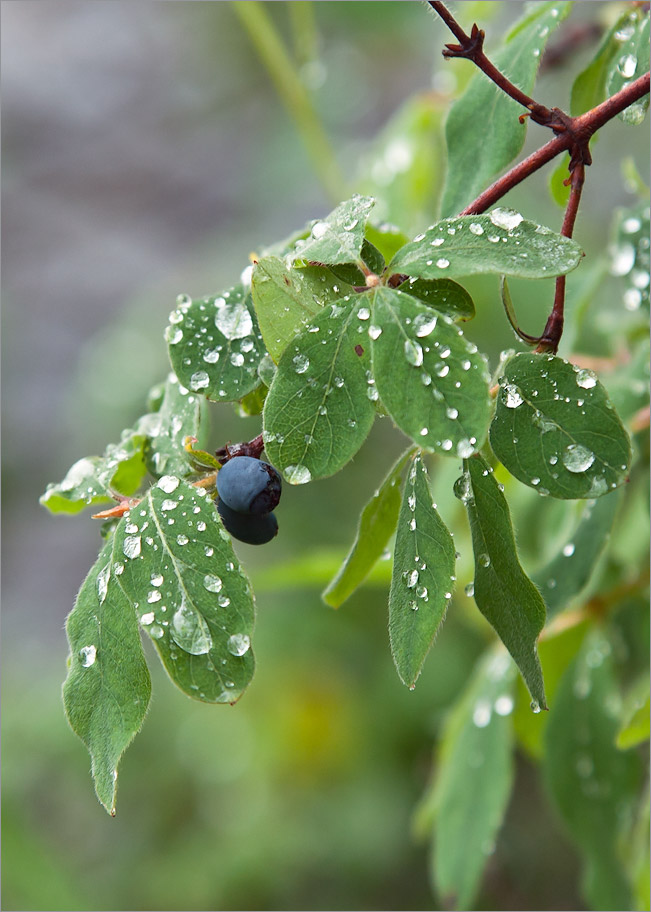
x=566, y=574
x=376, y=526
x=287, y=299
x=503, y=592
x=176, y=564
x=422, y=578
x=338, y=238
x=501, y=242
x=630, y=254
x=386, y=238
x=631, y=62
x=92, y=479
x=432, y=381
x=483, y=132
x=107, y=690
x=178, y=417
x=589, y=87
x=215, y=345
x=444, y=295
x=318, y=412
x=590, y=780
x=474, y=777
x=556, y=430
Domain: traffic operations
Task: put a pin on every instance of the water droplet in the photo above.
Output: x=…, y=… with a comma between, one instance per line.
x=319, y=229
x=577, y=458
x=102, y=583
x=627, y=66
x=372, y=393
x=442, y=370
x=442, y=263
x=463, y=488
x=424, y=324
x=212, y=583
x=168, y=483
x=421, y=592
x=511, y=396
x=168, y=505
x=586, y=379
x=301, y=363
x=452, y=413
x=470, y=589
x=374, y=331
x=87, y=655
x=147, y=619
x=505, y=218
x=535, y=706
x=237, y=359
x=190, y=631
x=482, y=712
x=298, y=474
x=476, y=228
x=413, y=352
x=199, y=380
x=153, y=596
x=156, y=631
x=131, y=546
x=182, y=539
x=173, y=335
x=446, y=444
x=465, y=448
x=363, y=313
x=484, y=560
x=568, y=550
x=238, y=644
x=233, y=320
x=411, y=578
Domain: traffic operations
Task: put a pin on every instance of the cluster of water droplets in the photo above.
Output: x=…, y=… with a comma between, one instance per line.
x=629, y=258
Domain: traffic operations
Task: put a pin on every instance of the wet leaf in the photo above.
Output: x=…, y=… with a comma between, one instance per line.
x=179, y=416
x=590, y=780
x=422, y=578
x=376, y=526
x=215, y=344
x=627, y=65
x=556, y=430
x=477, y=154
x=287, y=299
x=473, y=782
x=107, y=690
x=501, y=242
x=568, y=572
x=443, y=295
x=176, y=564
x=432, y=381
x=629, y=252
x=503, y=592
x=634, y=720
x=589, y=88
x=317, y=413
x=338, y=238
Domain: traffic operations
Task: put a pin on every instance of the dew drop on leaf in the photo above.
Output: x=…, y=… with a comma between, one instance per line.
x=212, y=583
x=586, y=379
x=413, y=352
x=298, y=474
x=190, y=632
x=577, y=458
x=238, y=644
x=87, y=655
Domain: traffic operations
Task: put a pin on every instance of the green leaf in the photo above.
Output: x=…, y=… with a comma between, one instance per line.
x=556, y=430
x=500, y=242
x=589, y=88
x=630, y=254
x=432, y=381
x=423, y=576
x=215, y=345
x=386, y=238
x=176, y=565
x=338, y=238
x=376, y=526
x=503, y=592
x=483, y=132
x=567, y=573
x=107, y=690
x=92, y=479
x=629, y=385
x=443, y=295
x=474, y=778
x=634, y=724
x=591, y=781
x=318, y=412
x=560, y=192
x=178, y=417
x=287, y=299
x=631, y=62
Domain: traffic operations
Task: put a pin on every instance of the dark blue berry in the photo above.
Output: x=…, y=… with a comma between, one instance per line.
x=248, y=485
x=254, y=530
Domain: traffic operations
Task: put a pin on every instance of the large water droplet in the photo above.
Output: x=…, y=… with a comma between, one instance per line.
x=102, y=583
x=238, y=644
x=168, y=483
x=87, y=655
x=505, y=218
x=424, y=324
x=511, y=396
x=173, y=335
x=212, y=583
x=586, y=379
x=298, y=474
x=577, y=458
x=131, y=546
x=190, y=631
x=233, y=320
x=413, y=352
x=199, y=380
x=301, y=363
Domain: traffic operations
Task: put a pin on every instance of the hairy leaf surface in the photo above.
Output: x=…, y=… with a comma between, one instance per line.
x=107, y=690
x=318, y=413
x=503, y=592
x=376, y=526
x=556, y=430
x=432, y=381
x=287, y=299
x=500, y=242
x=483, y=132
x=176, y=565
x=215, y=344
x=422, y=578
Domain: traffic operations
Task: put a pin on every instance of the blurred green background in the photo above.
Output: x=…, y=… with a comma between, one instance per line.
x=147, y=154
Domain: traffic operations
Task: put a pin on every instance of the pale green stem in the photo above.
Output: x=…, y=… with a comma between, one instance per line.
x=263, y=34
x=304, y=33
